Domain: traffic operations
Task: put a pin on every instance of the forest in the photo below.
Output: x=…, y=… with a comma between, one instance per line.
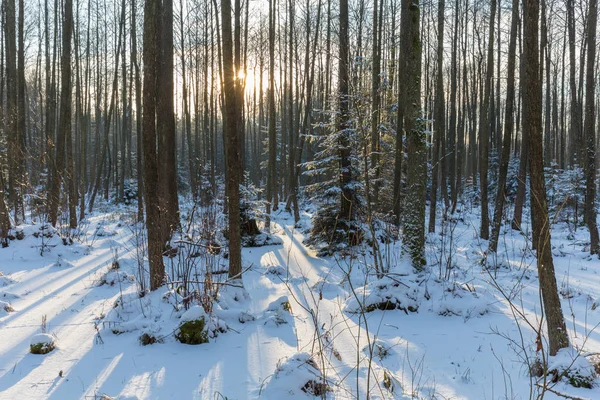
x=341, y=199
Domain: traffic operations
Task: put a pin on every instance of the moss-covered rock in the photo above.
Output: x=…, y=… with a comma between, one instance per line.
x=192, y=332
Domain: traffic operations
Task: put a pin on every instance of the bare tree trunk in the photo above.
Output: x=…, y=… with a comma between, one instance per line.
x=414, y=221
x=484, y=128
x=508, y=129
x=348, y=195
x=590, y=130
x=532, y=122
x=232, y=143
x=138, y=116
x=439, y=123
x=165, y=125
x=272, y=165
x=151, y=54
x=64, y=119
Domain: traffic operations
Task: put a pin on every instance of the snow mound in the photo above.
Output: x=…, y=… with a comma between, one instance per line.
x=104, y=232
x=409, y=294
x=42, y=343
x=5, y=280
x=459, y=300
x=43, y=338
x=5, y=308
x=278, y=312
x=386, y=294
x=328, y=290
x=262, y=239
x=9, y=296
x=276, y=270
x=62, y=263
x=113, y=277
x=161, y=313
x=572, y=367
x=298, y=376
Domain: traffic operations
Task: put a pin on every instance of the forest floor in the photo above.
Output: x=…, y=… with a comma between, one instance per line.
x=453, y=334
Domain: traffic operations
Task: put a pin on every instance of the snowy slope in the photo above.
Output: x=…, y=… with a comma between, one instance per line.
x=296, y=321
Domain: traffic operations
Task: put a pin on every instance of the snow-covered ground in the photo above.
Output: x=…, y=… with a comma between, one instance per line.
x=297, y=327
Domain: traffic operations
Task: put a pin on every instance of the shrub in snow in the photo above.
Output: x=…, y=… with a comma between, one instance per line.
x=197, y=326
x=568, y=366
x=298, y=375
x=193, y=332
x=42, y=343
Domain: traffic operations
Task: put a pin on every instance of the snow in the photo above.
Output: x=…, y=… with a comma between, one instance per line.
x=297, y=318
x=42, y=338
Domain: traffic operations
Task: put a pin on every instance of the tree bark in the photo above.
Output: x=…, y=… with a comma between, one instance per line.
x=508, y=129
x=590, y=130
x=532, y=122
x=414, y=222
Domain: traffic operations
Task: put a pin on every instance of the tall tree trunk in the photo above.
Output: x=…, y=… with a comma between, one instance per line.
x=64, y=118
x=508, y=129
x=484, y=128
x=348, y=195
x=375, y=100
x=590, y=130
x=576, y=136
x=452, y=145
x=12, y=117
x=151, y=54
x=232, y=142
x=414, y=221
x=138, y=114
x=165, y=125
x=272, y=165
x=439, y=123
x=19, y=156
x=532, y=122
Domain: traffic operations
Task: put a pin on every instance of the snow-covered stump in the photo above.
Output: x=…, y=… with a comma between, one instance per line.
x=42, y=343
